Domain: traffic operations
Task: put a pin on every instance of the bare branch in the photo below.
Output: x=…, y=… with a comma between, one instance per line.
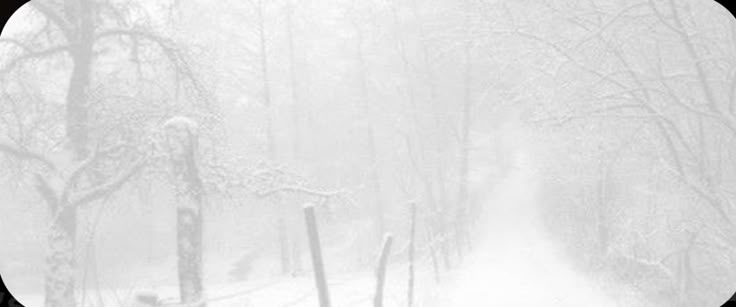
x=661, y=17
x=51, y=15
x=84, y=166
x=29, y=55
x=25, y=154
x=166, y=45
x=706, y=194
x=732, y=94
x=46, y=191
x=659, y=265
x=610, y=22
x=110, y=186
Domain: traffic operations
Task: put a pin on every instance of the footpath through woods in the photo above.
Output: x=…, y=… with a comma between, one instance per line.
x=517, y=264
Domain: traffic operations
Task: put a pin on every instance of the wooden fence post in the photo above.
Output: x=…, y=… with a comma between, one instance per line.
x=316, y=251
x=412, y=232
x=381, y=271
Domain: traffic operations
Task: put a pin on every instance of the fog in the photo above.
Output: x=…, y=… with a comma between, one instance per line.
x=432, y=153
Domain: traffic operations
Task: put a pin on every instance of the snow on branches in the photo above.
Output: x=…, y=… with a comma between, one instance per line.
x=263, y=180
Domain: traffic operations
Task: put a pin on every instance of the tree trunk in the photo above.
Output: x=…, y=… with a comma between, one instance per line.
x=189, y=246
x=375, y=184
x=600, y=211
x=61, y=266
x=433, y=252
x=464, y=211
x=283, y=243
x=295, y=110
x=443, y=232
x=189, y=226
x=60, y=260
x=370, y=141
x=296, y=252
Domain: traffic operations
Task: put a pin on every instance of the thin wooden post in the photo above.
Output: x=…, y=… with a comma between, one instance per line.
x=433, y=253
x=381, y=271
x=283, y=241
x=412, y=232
x=316, y=251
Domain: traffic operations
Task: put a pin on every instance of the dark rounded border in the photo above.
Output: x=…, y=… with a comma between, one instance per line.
x=7, y=299
x=725, y=4
x=7, y=9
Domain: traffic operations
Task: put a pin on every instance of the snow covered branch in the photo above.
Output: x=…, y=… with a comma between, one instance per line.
x=298, y=189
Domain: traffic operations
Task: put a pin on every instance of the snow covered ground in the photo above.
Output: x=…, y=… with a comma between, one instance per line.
x=515, y=264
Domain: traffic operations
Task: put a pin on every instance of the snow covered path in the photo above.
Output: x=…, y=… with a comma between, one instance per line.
x=516, y=264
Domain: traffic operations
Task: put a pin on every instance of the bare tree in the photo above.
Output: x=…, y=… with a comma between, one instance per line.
x=98, y=165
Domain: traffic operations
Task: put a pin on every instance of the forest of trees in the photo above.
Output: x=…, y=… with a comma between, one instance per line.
x=172, y=134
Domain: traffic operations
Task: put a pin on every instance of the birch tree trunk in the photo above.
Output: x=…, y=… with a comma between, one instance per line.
x=60, y=259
